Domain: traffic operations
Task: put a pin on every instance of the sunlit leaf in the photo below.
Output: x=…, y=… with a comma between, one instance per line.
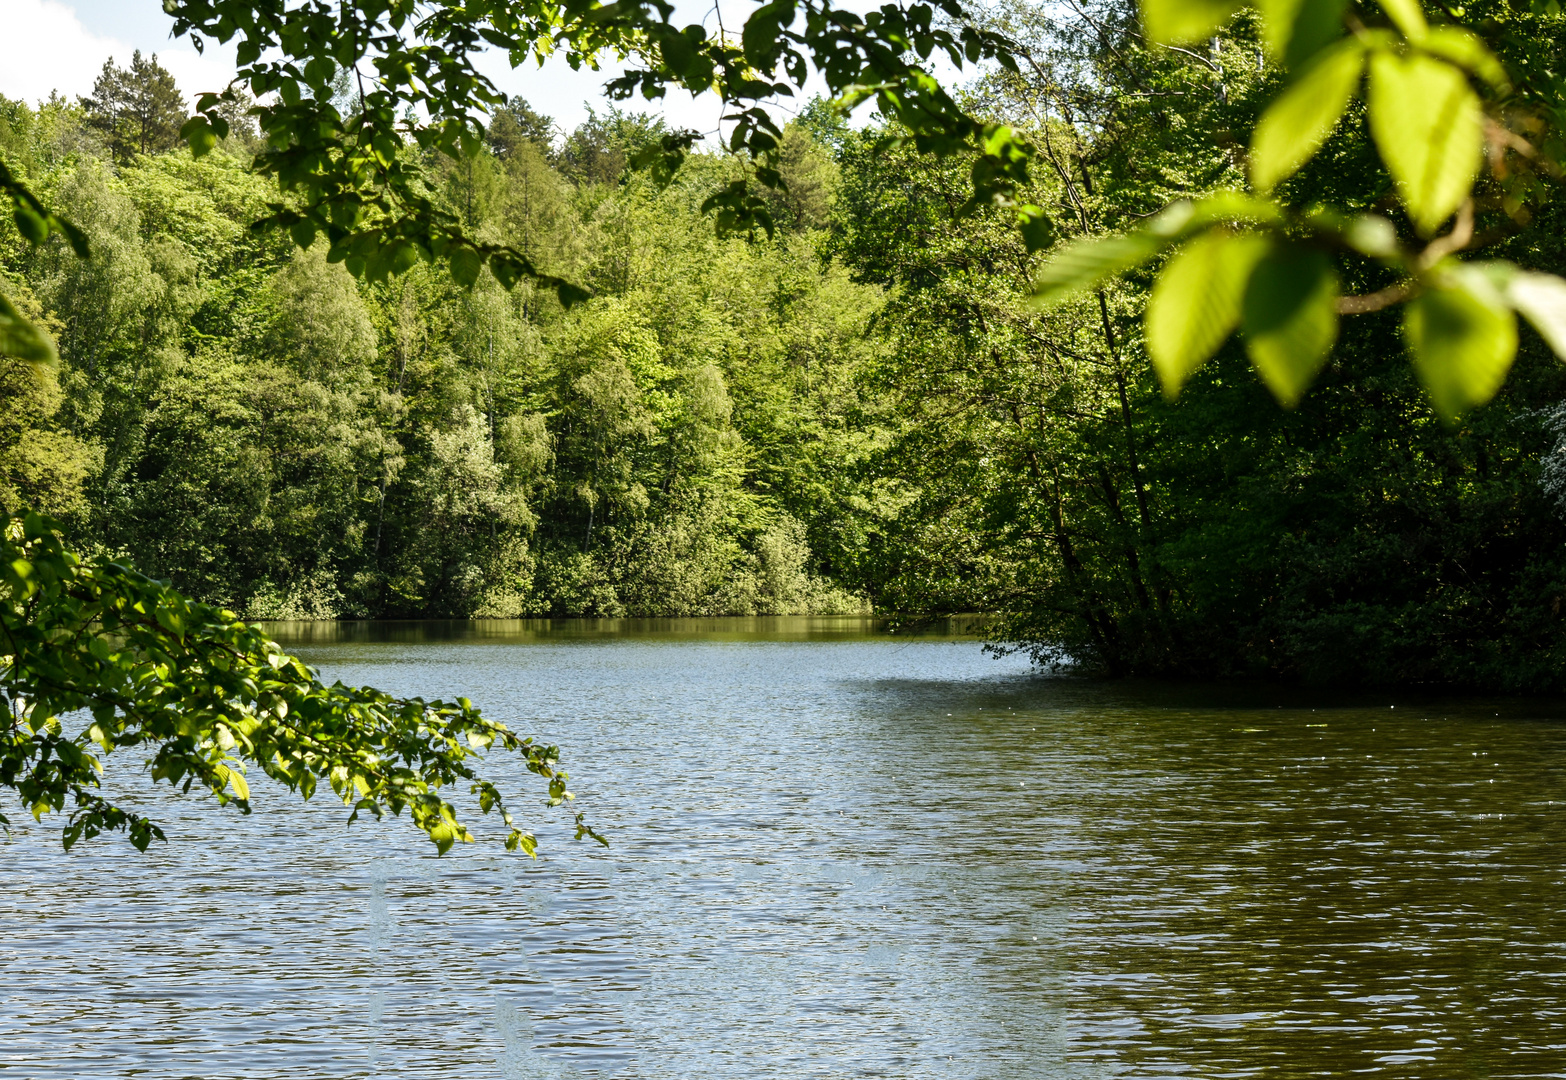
x=1177, y=22
x=1295, y=30
x=1300, y=119
x=1467, y=50
x=1541, y=299
x=1407, y=16
x=443, y=836
x=1290, y=318
x=22, y=339
x=1428, y=126
x=1185, y=218
x=1082, y=264
x=197, y=131
x=1373, y=235
x=1463, y=339
x=206, y=682
x=1195, y=304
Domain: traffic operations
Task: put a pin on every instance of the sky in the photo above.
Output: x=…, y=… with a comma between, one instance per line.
x=61, y=45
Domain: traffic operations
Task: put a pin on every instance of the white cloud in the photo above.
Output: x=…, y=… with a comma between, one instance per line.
x=45, y=48
x=196, y=73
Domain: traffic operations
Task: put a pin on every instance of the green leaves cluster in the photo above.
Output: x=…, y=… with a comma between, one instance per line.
x=19, y=336
x=1032, y=469
x=415, y=449
x=1253, y=263
x=22, y=338
x=357, y=178
x=204, y=696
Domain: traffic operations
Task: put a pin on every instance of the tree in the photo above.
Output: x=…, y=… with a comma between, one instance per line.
x=41, y=466
x=354, y=184
x=1438, y=105
x=515, y=121
x=603, y=145
x=351, y=177
x=138, y=109
x=1043, y=476
x=353, y=181
x=208, y=695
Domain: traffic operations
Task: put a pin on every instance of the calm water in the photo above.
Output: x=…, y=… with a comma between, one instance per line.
x=835, y=855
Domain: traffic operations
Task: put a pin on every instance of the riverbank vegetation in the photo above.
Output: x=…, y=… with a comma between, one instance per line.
x=863, y=410
x=275, y=437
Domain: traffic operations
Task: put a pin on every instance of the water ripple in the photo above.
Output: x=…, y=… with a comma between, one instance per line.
x=856, y=858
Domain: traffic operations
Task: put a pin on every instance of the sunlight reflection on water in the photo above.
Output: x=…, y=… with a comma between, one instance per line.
x=835, y=855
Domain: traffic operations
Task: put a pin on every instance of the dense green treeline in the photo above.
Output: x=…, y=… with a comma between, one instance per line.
x=1354, y=539
x=863, y=411
x=251, y=422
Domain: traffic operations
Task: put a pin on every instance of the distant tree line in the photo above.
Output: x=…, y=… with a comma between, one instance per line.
x=275, y=437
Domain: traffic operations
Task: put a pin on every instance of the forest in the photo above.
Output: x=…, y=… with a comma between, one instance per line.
x=859, y=410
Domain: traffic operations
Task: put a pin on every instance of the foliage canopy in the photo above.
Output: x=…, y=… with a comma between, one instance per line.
x=1261, y=262
x=206, y=695
x=138, y=109
x=352, y=181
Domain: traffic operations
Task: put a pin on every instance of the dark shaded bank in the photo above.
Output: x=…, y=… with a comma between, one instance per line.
x=304, y=633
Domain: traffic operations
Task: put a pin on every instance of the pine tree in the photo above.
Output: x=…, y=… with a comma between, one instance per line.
x=138, y=109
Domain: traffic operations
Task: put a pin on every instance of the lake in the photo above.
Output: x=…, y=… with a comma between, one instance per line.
x=835, y=853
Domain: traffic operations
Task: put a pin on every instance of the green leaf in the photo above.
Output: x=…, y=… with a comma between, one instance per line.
x=1036, y=228
x=1465, y=49
x=1082, y=264
x=1179, y=22
x=402, y=258
x=1290, y=319
x=1295, y=30
x=1429, y=127
x=571, y=295
x=507, y=270
x=443, y=836
x=1195, y=304
x=22, y=339
x=466, y=263
x=77, y=238
x=1463, y=339
x=30, y=223
x=1407, y=16
x=1373, y=235
x=1185, y=218
x=1300, y=119
x=1541, y=299
x=303, y=231
x=199, y=134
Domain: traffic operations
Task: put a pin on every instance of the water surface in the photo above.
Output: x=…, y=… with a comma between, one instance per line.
x=836, y=853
